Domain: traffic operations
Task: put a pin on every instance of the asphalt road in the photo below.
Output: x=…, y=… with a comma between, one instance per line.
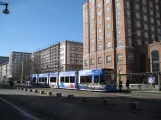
x=7, y=112
x=64, y=109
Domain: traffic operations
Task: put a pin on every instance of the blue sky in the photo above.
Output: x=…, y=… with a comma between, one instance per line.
x=35, y=24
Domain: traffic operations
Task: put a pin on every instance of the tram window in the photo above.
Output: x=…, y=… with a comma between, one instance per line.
x=34, y=79
x=62, y=79
x=88, y=79
x=45, y=79
x=102, y=80
x=72, y=79
x=82, y=79
x=53, y=79
x=96, y=79
x=39, y=79
x=66, y=79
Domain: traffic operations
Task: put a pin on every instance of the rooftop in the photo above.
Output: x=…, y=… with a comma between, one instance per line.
x=21, y=52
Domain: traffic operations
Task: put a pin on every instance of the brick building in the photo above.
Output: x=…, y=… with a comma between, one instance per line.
x=116, y=34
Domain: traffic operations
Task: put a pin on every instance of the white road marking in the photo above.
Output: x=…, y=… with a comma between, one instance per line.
x=20, y=110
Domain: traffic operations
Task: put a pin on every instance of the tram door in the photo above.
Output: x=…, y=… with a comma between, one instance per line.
x=96, y=79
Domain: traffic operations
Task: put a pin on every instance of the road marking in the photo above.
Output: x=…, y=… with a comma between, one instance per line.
x=20, y=110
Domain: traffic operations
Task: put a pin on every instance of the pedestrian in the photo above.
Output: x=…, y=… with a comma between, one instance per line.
x=120, y=85
x=127, y=85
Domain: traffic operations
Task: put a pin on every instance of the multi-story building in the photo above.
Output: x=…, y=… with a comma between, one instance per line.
x=63, y=56
x=47, y=60
x=19, y=60
x=4, y=71
x=3, y=59
x=116, y=34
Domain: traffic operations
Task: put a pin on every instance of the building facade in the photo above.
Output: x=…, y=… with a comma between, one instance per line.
x=63, y=56
x=3, y=59
x=116, y=34
x=4, y=72
x=17, y=61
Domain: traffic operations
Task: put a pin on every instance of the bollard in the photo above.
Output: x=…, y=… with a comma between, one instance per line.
x=49, y=93
x=71, y=97
x=17, y=88
x=25, y=89
x=58, y=94
x=35, y=91
x=134, y=105
x=30, y=90
x=42, y=92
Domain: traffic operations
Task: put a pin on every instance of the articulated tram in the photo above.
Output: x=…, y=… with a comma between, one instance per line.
x=91, y=80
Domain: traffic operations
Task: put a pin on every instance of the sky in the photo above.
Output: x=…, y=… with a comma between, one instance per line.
x=35, y=24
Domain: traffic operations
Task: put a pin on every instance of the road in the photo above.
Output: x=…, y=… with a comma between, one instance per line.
x=62, y=108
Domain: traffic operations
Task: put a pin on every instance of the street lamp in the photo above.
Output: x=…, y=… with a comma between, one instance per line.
x=119, y=70
x=5, y=11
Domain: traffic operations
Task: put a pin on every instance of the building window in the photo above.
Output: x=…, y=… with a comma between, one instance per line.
x=152, y=20
x=108, y=26
x=139, y=41
x=108, y=35
x=152, y=28
x=99, y=22
x=99, y=37
x=107, y=1
x=108, y=9
x=146, y=35
x=138, y=24
x=138, y=15
x=99, y=30
x=108, y=44
x=138, y=33
x=92, y=61
x=100, y=60
x=92, y=39
x=99, y=14
x=119, y=42
x=155, y=61
x=107, y=18
x=85, y=63
x=99, y=46
x=119, y=57
x=130, y=41
x=99, y=6
x=145, y=18
x=92, y=48
x=108, y=59
x=130, y=57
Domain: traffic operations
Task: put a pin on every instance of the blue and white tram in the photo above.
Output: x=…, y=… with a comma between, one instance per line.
x=97, y=80
x=53, y=80
x=33, y=79
x=43, y=79
x=68, y=80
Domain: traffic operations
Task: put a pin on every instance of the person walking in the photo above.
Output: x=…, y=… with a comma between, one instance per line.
x=127, y=85
x=120, y=85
